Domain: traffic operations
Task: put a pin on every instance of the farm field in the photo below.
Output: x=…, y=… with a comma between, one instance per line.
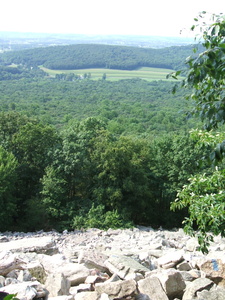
x=146, y=73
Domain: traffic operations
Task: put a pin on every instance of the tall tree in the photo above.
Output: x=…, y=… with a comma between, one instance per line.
x=68, y=180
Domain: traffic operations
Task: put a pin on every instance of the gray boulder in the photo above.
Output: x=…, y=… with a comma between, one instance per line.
x=75, y=273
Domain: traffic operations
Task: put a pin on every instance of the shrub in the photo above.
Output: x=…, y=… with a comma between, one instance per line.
x=98, y=217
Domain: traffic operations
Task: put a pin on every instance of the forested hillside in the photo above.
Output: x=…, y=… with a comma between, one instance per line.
x=98, y=56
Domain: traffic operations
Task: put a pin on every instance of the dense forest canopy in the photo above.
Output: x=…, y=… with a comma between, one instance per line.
x=73, y=152
x=57, y=179
x=128, y=106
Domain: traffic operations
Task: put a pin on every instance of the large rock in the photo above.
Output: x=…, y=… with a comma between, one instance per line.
x=37, y=271
x=10, y=264
x=124, y=266
x=152, y=287
x=172, y=283
x=118, y=289
x=75, y=273
x=93, y=259
x=196, y=286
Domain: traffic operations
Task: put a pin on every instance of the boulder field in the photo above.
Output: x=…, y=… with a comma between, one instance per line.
x=137, y=264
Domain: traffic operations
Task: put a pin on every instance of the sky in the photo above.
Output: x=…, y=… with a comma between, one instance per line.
x=129, y=17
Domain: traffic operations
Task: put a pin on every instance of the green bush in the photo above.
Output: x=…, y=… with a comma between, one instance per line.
x=98, y=217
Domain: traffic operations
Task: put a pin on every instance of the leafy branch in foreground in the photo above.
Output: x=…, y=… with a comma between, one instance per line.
x=204, y=196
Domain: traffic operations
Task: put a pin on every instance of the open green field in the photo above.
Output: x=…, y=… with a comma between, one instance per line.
x=145, y=73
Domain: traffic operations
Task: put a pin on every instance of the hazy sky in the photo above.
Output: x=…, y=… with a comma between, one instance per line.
x=141, y=17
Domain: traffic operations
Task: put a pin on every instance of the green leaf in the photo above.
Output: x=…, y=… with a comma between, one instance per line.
x=178, y=73
x=10, y=297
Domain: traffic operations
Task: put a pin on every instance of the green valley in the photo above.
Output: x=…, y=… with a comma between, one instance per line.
x=145, y=73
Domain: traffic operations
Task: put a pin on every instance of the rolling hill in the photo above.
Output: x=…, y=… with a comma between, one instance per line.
x=83, y=56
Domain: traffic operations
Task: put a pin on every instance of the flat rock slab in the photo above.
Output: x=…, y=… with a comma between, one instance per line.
x=37, y=244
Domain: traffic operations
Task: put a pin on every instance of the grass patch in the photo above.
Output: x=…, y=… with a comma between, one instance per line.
x=145, y=73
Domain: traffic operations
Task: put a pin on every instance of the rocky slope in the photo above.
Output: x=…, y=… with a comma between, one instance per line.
x=139, y=263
